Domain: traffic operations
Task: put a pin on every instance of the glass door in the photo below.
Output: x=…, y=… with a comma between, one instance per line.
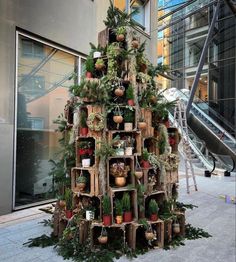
x=44, y=74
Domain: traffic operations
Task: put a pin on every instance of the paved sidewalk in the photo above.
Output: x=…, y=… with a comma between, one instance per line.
x=213, y=215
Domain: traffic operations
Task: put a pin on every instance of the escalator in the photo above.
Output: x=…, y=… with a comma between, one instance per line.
x=212, y=140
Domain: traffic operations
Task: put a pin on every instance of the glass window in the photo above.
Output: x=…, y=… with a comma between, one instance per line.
x=42, y=93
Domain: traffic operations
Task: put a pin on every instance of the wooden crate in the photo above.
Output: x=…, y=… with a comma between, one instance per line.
x=130, y=179
x=94, y=234
x=150, y=189
x=147, y=116
x=92, y=173
x=84, y=228
x=135, y=134
x=158, y=226
x=115, y=192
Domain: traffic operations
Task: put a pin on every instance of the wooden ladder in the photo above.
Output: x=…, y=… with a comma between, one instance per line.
x=180, y=121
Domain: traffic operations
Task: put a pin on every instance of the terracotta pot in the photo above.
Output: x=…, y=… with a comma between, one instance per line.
x=143, y=68
x=81, y=186
x=119, y=92
x=176, y=228
x=118, y=119
x=119, y=219
x=130, y=102
x=120, y=181
x=145, y=164
x=120, y=37
x=83, y=131
x=135, y=44
x=128, y=126
x=127, y=216
x=106, y=220
x=142, y=125
x=102, y=239
x=69, y=214
x=89, y=75
x=167, y=123
x=99, y=67
x=149, y=235
x=153, y=217
x=62, y=203
x=138, y=174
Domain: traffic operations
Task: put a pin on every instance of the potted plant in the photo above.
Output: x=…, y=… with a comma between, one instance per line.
x=135, y=43
x=153, y=210
x=127, y=216
x=81, y=183
x=119, y=211
x=68, y=199
x=176, y=227
x=103, y=238
x=90, y=213
x=85, y=147
x=129, y=145
x=117, y=115
x=99, y=65
x=119, y=91
x=142, y=125
x=119, y=170
x=106, y=206
x=61, y=202
x=130, y=95
x=120, y=33
x=89, y=65
x=128, y=120
x=83, y=123
x=145, y=156
x=149, y=234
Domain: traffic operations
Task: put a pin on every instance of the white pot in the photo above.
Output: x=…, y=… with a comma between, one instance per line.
x=128, y=151
x=169, y=149
x=86, y=162
x=89, y=215
x=128, y=126
x=120, y=151
x=96, y=54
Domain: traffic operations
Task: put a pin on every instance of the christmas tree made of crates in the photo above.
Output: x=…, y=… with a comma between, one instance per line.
x=126, y=158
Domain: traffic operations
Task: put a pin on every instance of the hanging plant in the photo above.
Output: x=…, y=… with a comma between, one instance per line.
x=120, y=33
x=130, y=95
x=81, y=182
x=103, y=238
x=99, y=65
x=96, y=122
x=117, y=115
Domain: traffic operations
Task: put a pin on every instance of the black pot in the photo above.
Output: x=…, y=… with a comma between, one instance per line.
x=226, y=173
x=207, y=173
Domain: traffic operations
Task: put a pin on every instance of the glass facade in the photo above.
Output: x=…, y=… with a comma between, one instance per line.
x=44, y=75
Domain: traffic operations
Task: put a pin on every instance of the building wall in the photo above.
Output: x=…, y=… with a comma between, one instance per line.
x=70, y=23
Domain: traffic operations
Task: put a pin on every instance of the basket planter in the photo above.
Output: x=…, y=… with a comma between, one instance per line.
x=138, y=174
x=128, y=126
x=120, y=181
x=69, y=213
x=142, y=125
x=127, y=216
x=81, y=186
x=118, y=119
x=149, y=235
x=119, y=219
x=153, y=217
x=86, y=162
x=119, y=91
x=102, y=239
x=176, y=228
x=99, y=67
x=106, y=220
x=83, y=131
x=128, y=151
x=120, y=37
x=135, y=44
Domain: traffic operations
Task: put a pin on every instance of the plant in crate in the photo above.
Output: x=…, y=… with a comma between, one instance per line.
x=129, y=145
x=119, y=211
x=130, y=95
x=120, y=33
x=83, y=123
x=103, y=238
x=81, y=182
x=142, y=125
x=145, y=158
x=69, y=205
x=128, y=119
x=127, y=216
x=99, y=65
x=153, y=210
x=120, y=171
x=106, y=207
x=117, y=116
x=61, y=201
x=89, y=64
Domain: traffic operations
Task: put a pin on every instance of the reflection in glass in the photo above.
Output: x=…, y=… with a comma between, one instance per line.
x=44, y=75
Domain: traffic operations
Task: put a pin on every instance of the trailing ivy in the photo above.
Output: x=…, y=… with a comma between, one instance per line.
x=42, y=241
